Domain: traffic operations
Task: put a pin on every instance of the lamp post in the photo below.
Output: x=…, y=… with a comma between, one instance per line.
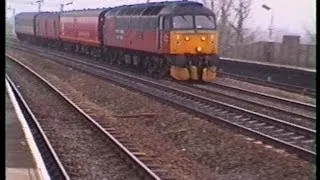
x=271, y=20
x=62, y=5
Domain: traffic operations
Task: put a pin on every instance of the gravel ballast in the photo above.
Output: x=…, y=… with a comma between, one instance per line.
x=190, y=147
x=266, y=90
x=250, y=106
x=84, y=153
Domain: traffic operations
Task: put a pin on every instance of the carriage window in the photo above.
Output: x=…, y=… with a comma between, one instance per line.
x=182, y=22
x=205, y=22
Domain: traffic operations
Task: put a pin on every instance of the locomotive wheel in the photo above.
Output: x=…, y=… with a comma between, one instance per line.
x=113, y=57
x=135, y=61
x=127, y=60
x=148, y=66
x=119, y=58
x=163, y=70
x=107, y=57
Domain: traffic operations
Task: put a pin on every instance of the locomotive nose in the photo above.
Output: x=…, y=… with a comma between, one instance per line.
x=186, y=42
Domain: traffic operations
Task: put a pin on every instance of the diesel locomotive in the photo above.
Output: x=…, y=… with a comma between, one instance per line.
x=165, y=38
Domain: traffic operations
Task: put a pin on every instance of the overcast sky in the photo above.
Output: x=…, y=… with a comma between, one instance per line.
x=293, y=16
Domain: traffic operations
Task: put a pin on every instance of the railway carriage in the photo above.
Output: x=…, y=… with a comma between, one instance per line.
x=81, y=30
x=47, y=28
x=25, y=25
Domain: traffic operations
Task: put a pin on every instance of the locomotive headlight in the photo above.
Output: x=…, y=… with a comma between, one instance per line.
x=212, y=36
x=203, y=38
x=178, y=37
x=187, y=38
x=199, y=49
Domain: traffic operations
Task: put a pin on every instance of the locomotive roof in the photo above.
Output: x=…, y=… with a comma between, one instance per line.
x=159, y=8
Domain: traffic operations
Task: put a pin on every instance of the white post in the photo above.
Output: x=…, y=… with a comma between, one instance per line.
x=39, y=6
x=271, y=25
x=271, y=20
x=14, y=20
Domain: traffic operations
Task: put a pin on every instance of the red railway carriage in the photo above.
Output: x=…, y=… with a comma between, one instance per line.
x=47, y=25
x=82, y=27
x=25, y=25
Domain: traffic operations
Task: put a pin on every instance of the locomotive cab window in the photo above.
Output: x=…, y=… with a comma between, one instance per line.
x=182, y=22
x=205, y=22
x=193, y=22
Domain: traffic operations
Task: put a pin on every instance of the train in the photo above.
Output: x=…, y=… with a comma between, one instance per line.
x=177, y=39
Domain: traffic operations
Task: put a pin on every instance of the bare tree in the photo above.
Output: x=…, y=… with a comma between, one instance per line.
x=310, y=32
x=231, y=17
x=242, y=11
x=312, y=37
x=223, y=11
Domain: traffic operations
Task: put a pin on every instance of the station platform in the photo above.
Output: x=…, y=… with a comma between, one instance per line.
x=270, y=64
x=20, y=163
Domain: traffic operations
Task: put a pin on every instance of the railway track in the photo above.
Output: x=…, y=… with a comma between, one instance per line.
x=129, y=156
x=52, y=162
x=279, y=107
x=303, y=112
x=277, y=85
x=291, y=137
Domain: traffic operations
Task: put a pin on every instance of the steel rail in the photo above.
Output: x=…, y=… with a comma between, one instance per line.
x=52, y=163
x=278, y=85
x=295, y=139
x=147, y=171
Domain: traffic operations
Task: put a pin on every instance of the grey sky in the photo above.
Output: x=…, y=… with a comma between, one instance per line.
x=293, y=16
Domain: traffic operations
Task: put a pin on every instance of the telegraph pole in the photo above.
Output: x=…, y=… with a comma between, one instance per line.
x=39, y=5
x=62, y=5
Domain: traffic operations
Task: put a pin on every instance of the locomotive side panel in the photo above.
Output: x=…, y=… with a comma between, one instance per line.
x=142, y=35
x=113, y=35
x=131, y=33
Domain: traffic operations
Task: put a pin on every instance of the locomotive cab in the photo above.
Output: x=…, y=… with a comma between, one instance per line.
x=192, y=42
